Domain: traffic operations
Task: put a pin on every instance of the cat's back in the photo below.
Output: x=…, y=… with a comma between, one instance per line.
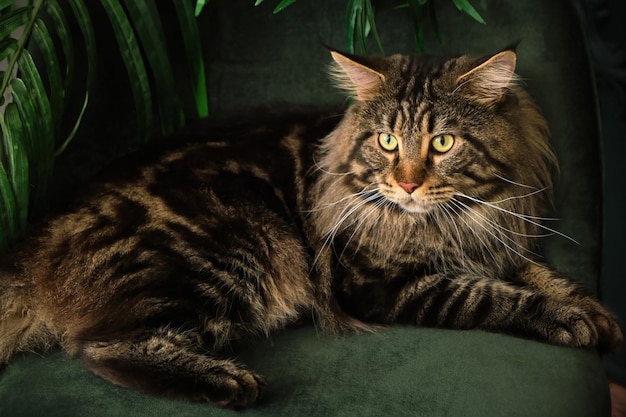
x=262, y=139
x=155, y=226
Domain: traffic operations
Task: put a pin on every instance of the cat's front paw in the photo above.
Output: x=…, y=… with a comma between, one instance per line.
x=585, y=324
x=235, y=390
x=571, y=326
x=610, y=337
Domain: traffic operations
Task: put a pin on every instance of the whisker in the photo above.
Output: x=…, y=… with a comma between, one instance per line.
x=509, y=247
x=477, y=235
x=501, y=229
x=353, y=203
x=352, y=209
x=516, y=183
x=526, y=218
x=445, y=209
x=325, y=171
x=361, y=193
x=516, y=197
x=362, y=218
x=345, y=214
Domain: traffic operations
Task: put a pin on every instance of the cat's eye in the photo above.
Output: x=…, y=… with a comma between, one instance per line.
x=388, y=141
x=442, y=143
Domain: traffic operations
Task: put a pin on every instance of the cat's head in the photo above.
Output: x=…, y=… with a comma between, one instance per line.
x=423, y=130
x=450, y=149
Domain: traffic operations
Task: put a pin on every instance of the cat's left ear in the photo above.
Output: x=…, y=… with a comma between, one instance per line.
x=489, y=81
x=356, y=76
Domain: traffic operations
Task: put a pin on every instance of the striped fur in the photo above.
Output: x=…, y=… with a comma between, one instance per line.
x=227, y=233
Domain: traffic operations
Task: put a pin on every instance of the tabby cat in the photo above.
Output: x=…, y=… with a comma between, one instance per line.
x=421, y=204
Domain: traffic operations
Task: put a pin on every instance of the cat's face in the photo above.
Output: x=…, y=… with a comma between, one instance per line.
x=425, y=130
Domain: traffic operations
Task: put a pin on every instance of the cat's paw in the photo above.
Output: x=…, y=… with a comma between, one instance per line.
x=235, y=390
x=610, y=337
x=585, y=324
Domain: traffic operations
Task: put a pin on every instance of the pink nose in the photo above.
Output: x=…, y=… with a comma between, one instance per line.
x=408, y=187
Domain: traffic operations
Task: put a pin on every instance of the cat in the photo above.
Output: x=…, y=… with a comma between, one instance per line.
x=421, y=203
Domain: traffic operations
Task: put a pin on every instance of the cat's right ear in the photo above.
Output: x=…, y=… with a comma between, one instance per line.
x=359, y=80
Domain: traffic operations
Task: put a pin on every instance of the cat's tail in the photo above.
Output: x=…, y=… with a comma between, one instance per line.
x=21, y=326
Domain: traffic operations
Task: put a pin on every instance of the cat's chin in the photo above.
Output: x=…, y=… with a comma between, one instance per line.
x=415, y=207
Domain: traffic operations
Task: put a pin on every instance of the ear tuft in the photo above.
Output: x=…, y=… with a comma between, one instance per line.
x=357, y=79
x=489, y=81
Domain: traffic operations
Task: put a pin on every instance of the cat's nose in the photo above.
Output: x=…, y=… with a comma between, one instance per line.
x=408, y=187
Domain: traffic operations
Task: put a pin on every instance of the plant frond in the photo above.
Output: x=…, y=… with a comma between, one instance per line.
x=17, y=164
x=44, y=41
x=135, y=67
x=8, y=229
x=195, y=60
x=201, y=3
x=148, y=28
x=466, y=6
x=61, y=28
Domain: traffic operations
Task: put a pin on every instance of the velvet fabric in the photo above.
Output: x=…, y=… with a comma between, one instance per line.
x=254, y=57
x=401, y=372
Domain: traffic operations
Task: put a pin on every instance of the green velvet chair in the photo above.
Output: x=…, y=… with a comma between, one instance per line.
x=255, y=57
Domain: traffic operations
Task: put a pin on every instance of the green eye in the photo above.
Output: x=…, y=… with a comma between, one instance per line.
x=388, y=141
x=442, y=143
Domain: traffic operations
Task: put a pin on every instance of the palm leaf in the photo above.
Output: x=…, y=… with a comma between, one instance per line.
x=17, y=161
x=201, y=3
x=352, y=19
x=43, y=40
x=195, y=61
x=8, y=227
x=86, y=28
x=148, y=27
x=418, y=26
x=61, y=28
x=369, y=8
x=465, y=6
x=34, y=110
x=9, y=23
x=283, y=5
x=74, y=130
x=6, y=3
x=135, y=67
x=7, y=47
x=13, y=20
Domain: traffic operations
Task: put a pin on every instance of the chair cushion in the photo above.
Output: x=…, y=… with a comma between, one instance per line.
x=401, y=371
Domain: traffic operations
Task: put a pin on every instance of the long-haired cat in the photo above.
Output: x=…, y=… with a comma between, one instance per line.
x=421, y=204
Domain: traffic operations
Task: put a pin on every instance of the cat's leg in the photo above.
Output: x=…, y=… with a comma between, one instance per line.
x=163, y=365
x=466, y=301
x=554, y=285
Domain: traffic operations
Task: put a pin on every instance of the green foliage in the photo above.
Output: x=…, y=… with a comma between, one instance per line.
x=46, y=69
x=361, y=22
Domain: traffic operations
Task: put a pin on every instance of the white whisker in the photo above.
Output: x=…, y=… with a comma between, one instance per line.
x=363, y=192
x=520, y=196
x=516, y=183
x=362, y=218
x=501, y=229
x=445, y=209
x=477, y=235
x=344, y=215
x=509, y=247
x=325, y=171
x=526, y=218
